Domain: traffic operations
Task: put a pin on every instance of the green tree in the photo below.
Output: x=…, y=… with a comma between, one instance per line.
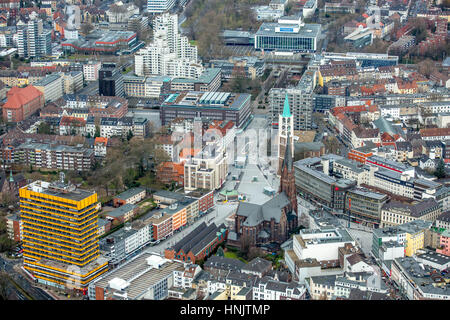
x=220, y=252
x=440, y=170
x=44, y=128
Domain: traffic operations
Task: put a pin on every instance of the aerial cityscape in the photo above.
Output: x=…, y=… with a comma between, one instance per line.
x=224, y=150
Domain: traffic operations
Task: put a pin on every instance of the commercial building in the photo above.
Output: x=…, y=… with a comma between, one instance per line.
x=443, y=221
x=222, y=106
x=104, y=42
x=173, y=217
x=54, y=156
x=313, y=182
x=127, y=241
x=288, y=34
x=144, y=277
x=394, y=213
x=198, y=244
x=365, y=206
x=51, y=86
x=95, y=106
x=208, y=81
x=60, y=239
x=410, y=235
x=21, y=103
x=146, y=87
x=321, y=244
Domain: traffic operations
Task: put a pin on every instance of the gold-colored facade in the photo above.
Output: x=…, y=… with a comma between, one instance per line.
x=60, y=242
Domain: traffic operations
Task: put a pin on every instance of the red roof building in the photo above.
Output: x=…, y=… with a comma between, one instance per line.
x=22, y=103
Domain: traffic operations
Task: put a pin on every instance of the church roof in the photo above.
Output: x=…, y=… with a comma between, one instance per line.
x=258, y=213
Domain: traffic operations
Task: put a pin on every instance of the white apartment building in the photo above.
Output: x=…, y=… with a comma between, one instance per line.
x=169, y=54
x=90, y=70
x=206, y=170
x=159, y=6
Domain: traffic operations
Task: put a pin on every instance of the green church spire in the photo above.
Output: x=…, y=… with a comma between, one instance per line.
x=286, y=109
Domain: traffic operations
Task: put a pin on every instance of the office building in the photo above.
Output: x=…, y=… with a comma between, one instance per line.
x=60, y=239
x=288, y=34
x=222, y=106
x=110, y=81
x=146, y=87
x=365, y=206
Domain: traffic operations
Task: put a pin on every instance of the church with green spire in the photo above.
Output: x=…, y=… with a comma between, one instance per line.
x=285, y=129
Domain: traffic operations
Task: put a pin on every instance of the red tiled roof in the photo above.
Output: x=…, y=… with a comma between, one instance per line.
x=17, y=97
x=101, y=140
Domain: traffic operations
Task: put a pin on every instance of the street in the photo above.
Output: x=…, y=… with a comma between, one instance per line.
x=22, y=286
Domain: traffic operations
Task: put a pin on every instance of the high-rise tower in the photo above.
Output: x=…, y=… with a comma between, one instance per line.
x=60, y=241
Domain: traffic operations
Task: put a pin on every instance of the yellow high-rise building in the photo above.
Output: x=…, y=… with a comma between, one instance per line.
x=60, y=242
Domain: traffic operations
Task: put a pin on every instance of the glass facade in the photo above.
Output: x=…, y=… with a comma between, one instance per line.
x=278, y=42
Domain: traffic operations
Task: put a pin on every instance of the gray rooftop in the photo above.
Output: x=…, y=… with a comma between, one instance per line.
x=129, y=193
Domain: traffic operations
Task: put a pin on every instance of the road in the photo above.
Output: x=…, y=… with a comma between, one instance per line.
x=21, y=285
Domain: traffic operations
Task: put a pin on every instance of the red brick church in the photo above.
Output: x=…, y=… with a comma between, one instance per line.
x=274, y=220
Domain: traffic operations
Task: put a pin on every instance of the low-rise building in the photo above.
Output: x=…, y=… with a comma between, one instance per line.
x=131, y=196
x=152, y=281
x=123, y=213
x=198, y=244
x=418, y=281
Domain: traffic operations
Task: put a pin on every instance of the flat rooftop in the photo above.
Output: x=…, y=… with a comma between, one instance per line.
x=139, y=275
x=305, y=31
x=59, y=189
